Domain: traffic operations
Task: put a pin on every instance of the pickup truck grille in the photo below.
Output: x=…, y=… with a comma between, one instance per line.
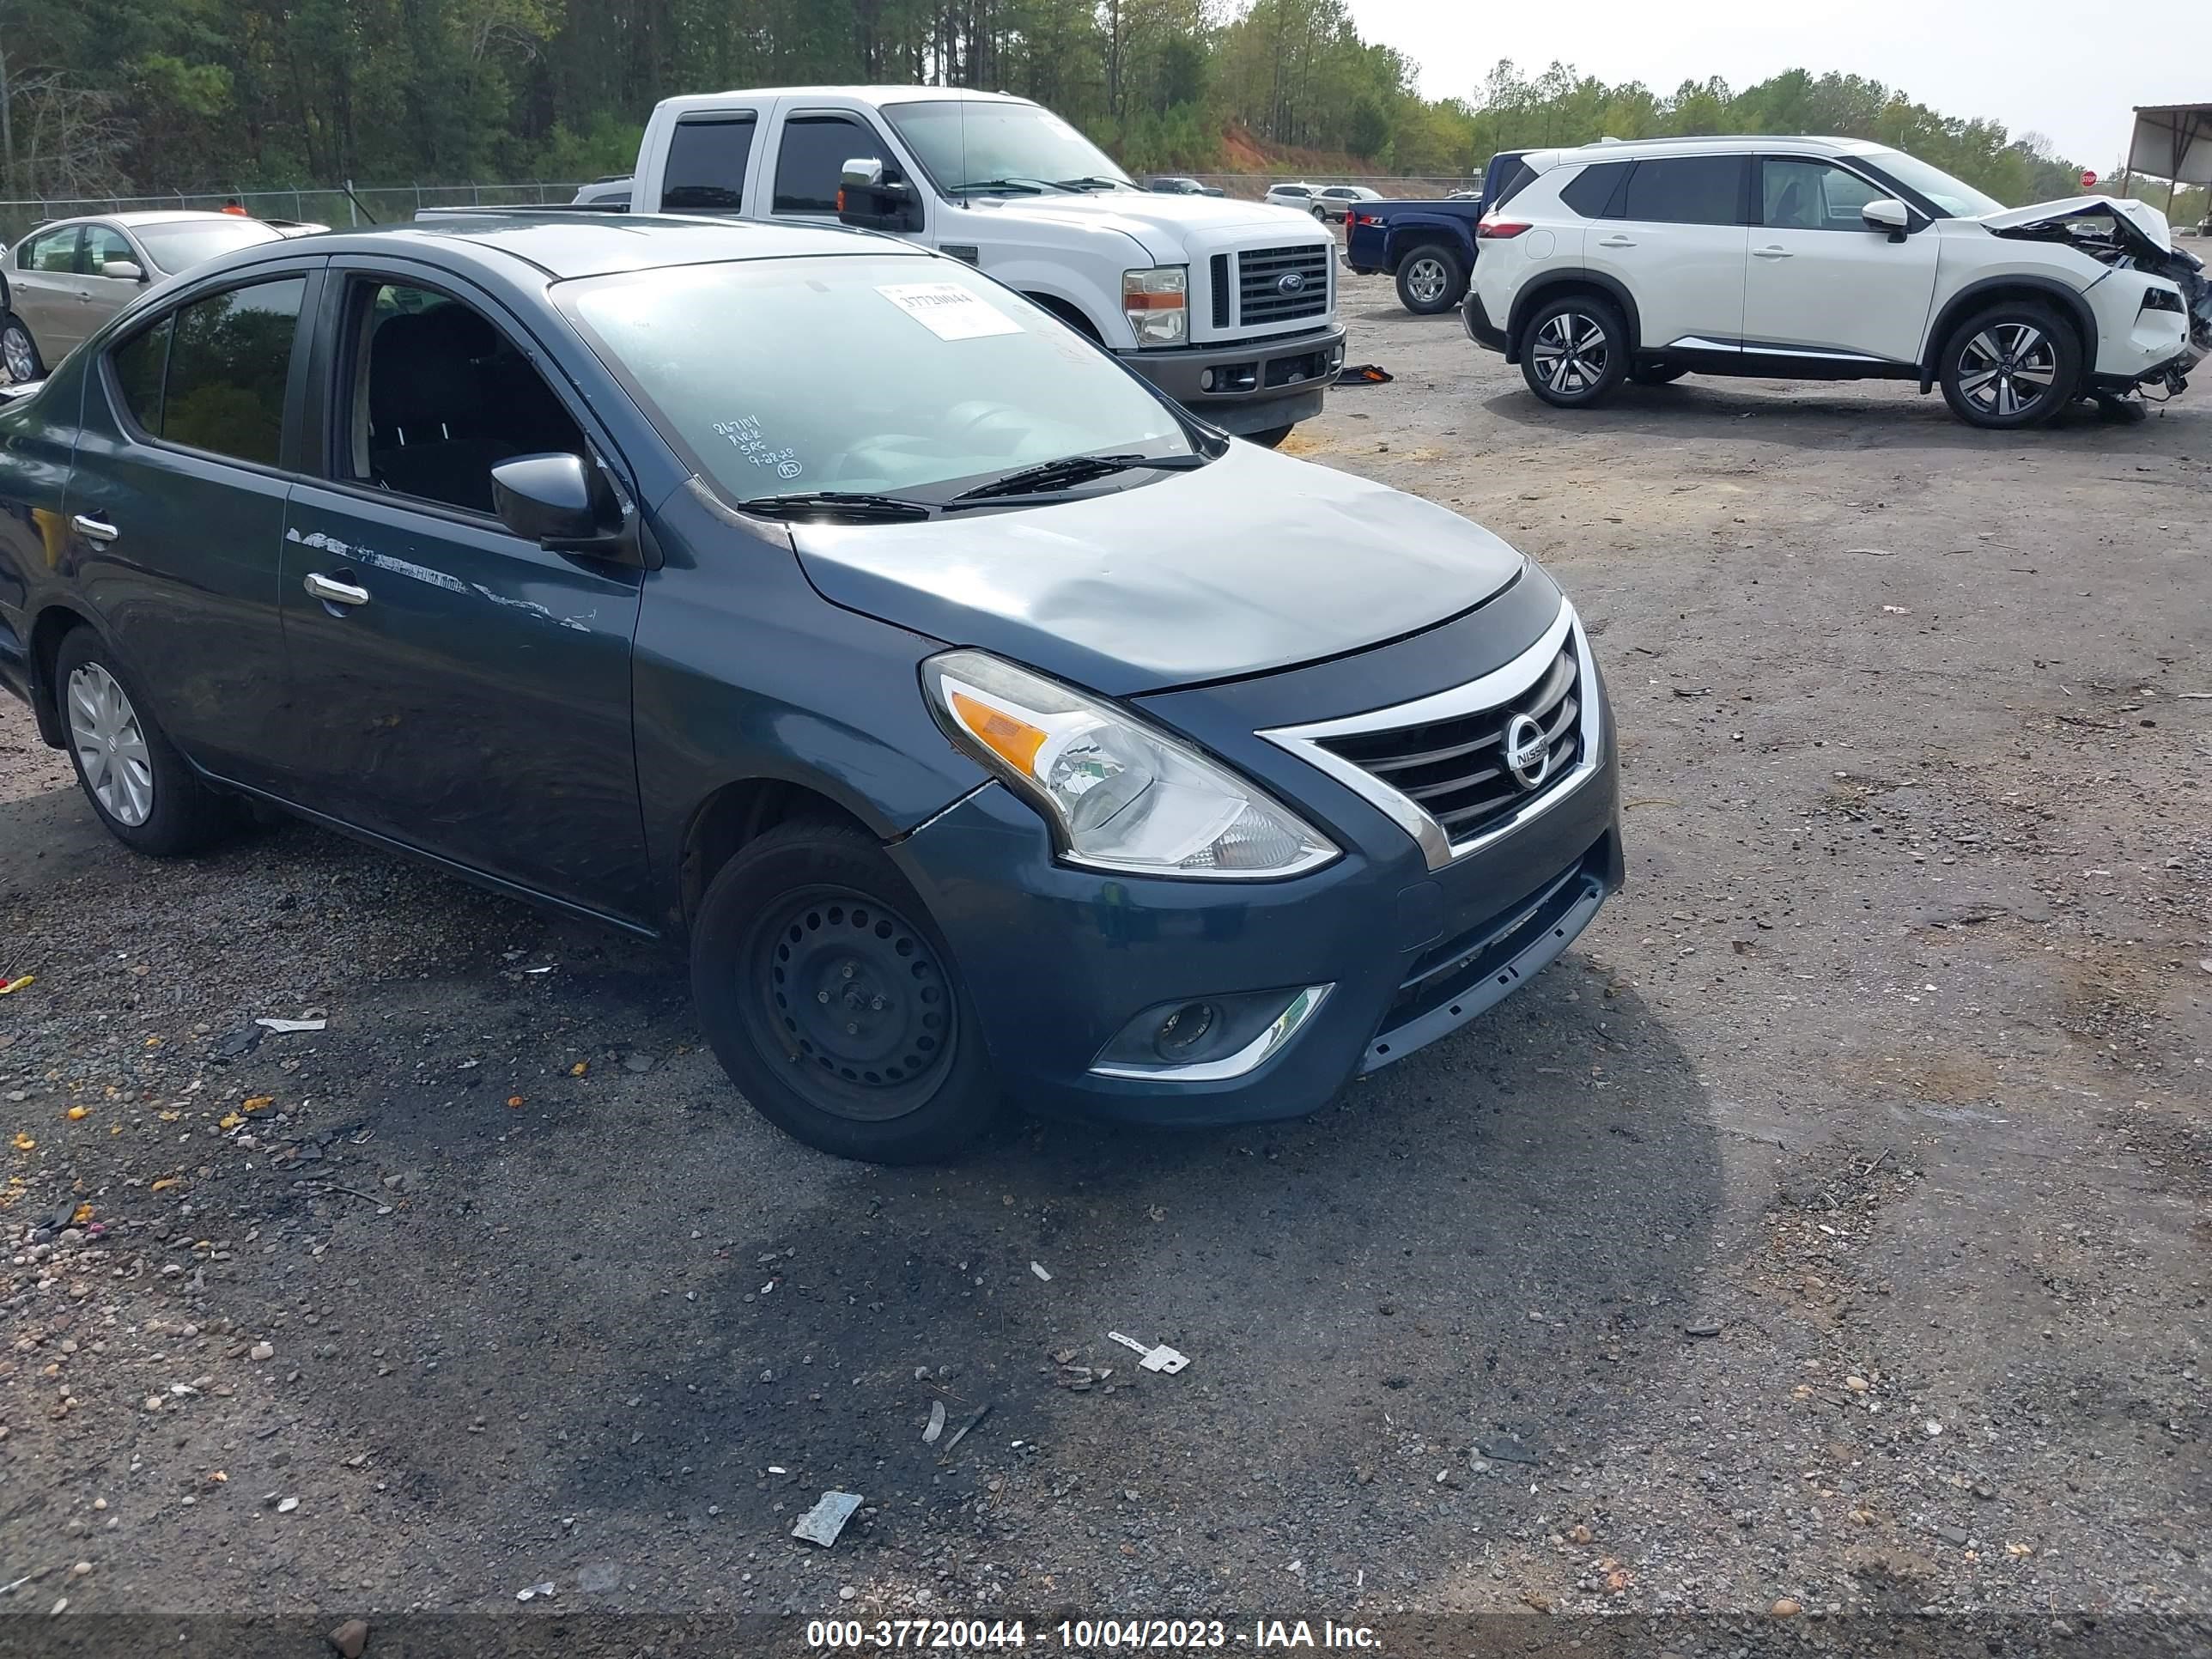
x=1455, y=769
x=1261, y=273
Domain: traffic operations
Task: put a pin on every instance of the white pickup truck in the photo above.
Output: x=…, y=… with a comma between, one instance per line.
x=1229, y=307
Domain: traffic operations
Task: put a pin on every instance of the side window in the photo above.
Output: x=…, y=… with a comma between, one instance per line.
x=55, y=251
x=1797, y=195
x=1687, y=189
x=439, y=397
x=1594, y=192
x=102, y=246
x=813, y=158
x=140, y=362
x=707, y=158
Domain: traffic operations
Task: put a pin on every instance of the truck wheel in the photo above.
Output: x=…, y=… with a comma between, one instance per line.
x=1575, y=351
x=1431, y=279
x=834, y=1004
x=1271, y=439
x=2015, y=364
x=145, y=791
x=19, y=353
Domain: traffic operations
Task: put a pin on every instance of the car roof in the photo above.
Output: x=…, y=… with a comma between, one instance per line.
x=563, y=244
x=1718, y=144
x=905, y=94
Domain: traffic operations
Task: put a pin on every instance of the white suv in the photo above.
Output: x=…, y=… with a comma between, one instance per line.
x=1827, y=259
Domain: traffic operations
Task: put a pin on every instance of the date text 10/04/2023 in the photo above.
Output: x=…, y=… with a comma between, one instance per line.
x=1085, y=1635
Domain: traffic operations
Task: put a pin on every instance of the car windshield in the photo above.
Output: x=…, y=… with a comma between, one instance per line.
x=971, y=143
x=884, y=374
x=1957, y=199
x=188, y=243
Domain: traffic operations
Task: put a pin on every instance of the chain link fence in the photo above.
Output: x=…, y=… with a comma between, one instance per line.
x=350, y=206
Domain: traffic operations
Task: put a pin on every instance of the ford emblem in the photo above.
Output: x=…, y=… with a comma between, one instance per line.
x=1291, y=281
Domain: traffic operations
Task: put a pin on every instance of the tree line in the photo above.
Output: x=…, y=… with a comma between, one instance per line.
x=104, y=97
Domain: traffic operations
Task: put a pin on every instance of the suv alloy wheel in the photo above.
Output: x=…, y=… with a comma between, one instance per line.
x=1574, y=351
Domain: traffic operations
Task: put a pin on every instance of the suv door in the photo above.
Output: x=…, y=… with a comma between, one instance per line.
x=42, y=289
x=1675, y=240
x=459, y=690
x=177, y=510
x=1819, y=281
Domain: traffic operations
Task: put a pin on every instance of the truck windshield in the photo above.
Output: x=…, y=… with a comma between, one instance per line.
x=972, y=145
x=882, y=374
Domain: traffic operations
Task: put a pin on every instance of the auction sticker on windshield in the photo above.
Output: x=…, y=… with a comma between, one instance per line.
x=950, y=311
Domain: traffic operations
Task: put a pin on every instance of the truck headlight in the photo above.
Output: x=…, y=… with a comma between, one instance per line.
x=1118, y=793
x=1156, y=304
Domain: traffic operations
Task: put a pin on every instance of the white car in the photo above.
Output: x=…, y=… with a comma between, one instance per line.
x=1827, y=259
x=1300, y=197
x=1334, y=201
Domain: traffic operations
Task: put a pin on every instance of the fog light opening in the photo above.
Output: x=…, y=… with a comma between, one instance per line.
x=1184, y=1029
x=1206, y=380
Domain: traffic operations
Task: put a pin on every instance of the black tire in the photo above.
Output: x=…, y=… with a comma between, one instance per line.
x=1271, y=439
x=1431, y=279
x=1574, y=351
x=1656, y=373
x=181, y=813
x=833, y=1002
x=2013, y=346
x=18, y=348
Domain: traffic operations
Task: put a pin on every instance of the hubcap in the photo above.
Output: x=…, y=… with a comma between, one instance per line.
x=1425, y=280
x=2008, y=368
x=856, y=997
x=110, y=745
x=1570, y=352
x=15, y=351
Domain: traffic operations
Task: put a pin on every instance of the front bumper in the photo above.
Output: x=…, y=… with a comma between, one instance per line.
x=1058, y=960
x=1250, y=385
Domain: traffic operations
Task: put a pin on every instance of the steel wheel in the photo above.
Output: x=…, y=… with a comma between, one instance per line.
x=855, y=995
x=110, y=745
x=2006, y=370
x=1426, y=278
x=1570, y=352
x=17, y=355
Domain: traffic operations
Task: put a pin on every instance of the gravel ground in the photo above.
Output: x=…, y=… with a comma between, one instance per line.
x=1829, y=1228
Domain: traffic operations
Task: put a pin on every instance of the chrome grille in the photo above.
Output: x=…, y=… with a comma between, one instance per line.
x=1219, y=268
x=1455, y=769
x=1260, y=273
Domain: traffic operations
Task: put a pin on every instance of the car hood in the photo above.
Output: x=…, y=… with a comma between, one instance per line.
x=2132, y=220
x=1161, y=225
x=1253, y=562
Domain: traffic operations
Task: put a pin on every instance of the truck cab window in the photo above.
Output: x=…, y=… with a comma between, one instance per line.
x=811, y=159
x=707, y=158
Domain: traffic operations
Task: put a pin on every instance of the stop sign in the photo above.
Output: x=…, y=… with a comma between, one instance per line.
x=2087, y=178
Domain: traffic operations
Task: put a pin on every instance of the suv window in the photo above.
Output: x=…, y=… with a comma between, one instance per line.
x=102, y=245
x=1687, y=189
x=55, y=251
x=811, y=159
x=211, y=375
x=1803, y=195
x=1594, y=192
x=439, y=397
x=707, y=158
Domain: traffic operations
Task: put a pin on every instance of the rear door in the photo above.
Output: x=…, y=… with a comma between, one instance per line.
x=710, y=153
x=1675, y=240
x=1820, y=281
x=42, y=289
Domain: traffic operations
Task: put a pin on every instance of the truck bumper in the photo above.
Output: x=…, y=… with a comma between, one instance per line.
x=1247, y=386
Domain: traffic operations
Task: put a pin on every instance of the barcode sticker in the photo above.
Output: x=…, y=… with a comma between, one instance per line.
x=950, y=311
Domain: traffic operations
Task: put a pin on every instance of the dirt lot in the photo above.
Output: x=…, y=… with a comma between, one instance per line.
x=1893, y=1065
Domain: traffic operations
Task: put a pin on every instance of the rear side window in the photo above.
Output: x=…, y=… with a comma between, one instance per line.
x=212, y=375
x=1594, y=192
x=811, y=161
x=1687, y=189
x=707, y=161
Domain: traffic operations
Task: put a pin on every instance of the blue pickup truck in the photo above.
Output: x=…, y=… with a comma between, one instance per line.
x=1429, y=245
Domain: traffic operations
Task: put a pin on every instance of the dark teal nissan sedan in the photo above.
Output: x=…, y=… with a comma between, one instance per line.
x=983, y=724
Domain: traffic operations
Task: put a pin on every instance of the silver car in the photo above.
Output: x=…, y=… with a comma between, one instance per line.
x=65, y=279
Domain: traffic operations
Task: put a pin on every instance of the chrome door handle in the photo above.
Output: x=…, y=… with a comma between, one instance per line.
x=334, y=593
x=1618, y=241
x=94, y=530
x=1770, y=254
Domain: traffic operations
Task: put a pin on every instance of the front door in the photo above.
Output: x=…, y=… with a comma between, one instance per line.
x=1819, y=280
x=1677, y=247
x=458, y=689
x=103, y=294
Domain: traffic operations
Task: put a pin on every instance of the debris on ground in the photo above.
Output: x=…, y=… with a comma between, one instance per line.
x=532, y=1592
x=1363, y=374
x=975, y=1417
x=284, y=1027
x=1037, y=1267
x=350, y=1639
x=1162, y=1358
x=936, y=1422
x=17, y=983
x=822, y=1523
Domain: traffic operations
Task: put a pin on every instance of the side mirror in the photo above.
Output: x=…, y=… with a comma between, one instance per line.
x=123, y=271
x=560, y=501
x=1887, y=213
x=873, y=195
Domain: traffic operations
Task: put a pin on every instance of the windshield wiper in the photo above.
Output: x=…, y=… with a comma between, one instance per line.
x=1033, y=186
x=847, y=504
x=1073, y=470
x=1090, y=181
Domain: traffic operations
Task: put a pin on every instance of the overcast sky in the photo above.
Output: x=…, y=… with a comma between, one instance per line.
x=2071, y=72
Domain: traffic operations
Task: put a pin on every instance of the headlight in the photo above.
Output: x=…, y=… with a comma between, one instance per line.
x=1118, y=794
x=2163, y=299
x=1156, y=303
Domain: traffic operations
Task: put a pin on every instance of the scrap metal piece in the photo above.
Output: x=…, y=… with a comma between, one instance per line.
x=1161, y=1358
x=936, y=1422
x=822, y=1523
